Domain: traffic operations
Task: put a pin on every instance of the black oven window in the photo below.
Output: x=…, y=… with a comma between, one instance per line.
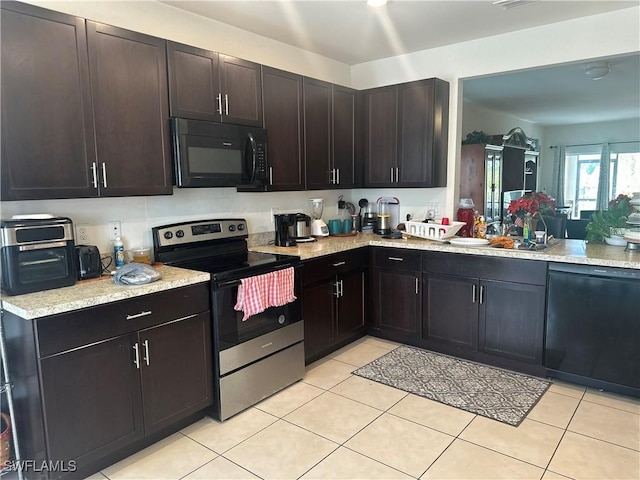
x=37, y=265
x=215, y=161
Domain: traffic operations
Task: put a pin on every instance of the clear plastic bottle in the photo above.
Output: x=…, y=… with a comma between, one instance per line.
x=118, y=252
x=482, y=227
x=527, y=229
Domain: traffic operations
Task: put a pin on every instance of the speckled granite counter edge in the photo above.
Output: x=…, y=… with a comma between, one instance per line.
x=566, y=251
x=89, y=293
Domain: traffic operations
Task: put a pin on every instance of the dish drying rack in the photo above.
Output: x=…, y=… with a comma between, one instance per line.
x=432, y=230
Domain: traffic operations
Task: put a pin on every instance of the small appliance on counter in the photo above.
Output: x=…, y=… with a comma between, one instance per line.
x=368, y=218
x=89, y=265
x=388, y=215
x=318, y=227
x=38, y=253
x=301, y=230
x=284, y=223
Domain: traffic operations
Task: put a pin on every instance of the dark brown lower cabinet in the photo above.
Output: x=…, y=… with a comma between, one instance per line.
x=485, y=308
x=102, y=381
x=396, y=294
x=333, y=302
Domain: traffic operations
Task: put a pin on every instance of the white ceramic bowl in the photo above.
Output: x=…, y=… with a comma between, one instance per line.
x=616, y=241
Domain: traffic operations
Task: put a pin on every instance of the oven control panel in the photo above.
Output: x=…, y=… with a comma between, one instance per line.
x=199, y=231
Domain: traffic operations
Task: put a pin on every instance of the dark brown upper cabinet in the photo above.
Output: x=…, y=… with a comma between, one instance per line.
x=84, y=108
x=406, y=133
x=129, y=88
x=329, y=131
x=206, y=85
x=283, y=115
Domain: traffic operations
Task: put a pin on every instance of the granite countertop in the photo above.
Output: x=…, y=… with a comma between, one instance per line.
x=95, y=291
x=564, y=251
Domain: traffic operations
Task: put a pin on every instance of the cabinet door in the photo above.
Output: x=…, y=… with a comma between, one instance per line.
x=415, y=134
x=129, y=88
x=451, y=310
x=398, y=305
x=194, y=84
x=380, y=136
x=351, y=303
x=319, y=313
x=176, y=367
x=241, y=91
x=512, y=169
x=343, y=130
x=317, y=134
x=512, y=320
x=47, y=135
x=283, y=121
x=92, y=400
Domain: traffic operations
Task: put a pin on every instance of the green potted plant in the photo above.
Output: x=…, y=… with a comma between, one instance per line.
x=611, y=222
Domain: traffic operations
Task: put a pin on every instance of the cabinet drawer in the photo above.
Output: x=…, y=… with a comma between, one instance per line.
x=331, y=265
x=70, y=330
x=398, y=259
x=532, y=272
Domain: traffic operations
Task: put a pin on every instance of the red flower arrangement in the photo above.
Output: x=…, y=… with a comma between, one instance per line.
x=532, y=203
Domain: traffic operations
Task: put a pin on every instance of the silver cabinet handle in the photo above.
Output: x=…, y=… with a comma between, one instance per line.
x=333, y=176
x=396, y=259
x=94, y=173
x=270, y=175
x=341, y=289
x=391, y=174
x=397, y=174
x=138, y=315
x=338, y=174
x=336, y=291
x=473, y=294
x=219, y=100
x=136, y=360
x=104, y=175
x=338, y=264
x=481, y=294
x=417, y=286
x=146, y=351
x=226, y=104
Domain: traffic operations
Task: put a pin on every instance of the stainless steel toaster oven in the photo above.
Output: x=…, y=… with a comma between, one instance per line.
x=37, y=254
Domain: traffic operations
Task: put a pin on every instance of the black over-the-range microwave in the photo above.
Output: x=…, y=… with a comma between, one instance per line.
x=209, y=154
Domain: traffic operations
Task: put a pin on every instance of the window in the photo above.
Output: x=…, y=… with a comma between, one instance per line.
x=625, y=169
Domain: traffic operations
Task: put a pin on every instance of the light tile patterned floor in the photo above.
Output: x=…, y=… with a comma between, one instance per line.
x=333, y=425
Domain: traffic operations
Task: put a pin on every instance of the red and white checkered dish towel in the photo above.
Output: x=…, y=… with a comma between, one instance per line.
x=256, y=294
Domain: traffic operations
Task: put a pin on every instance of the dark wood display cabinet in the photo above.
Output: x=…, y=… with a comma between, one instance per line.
x=485, y=308
x=283, y=119
x=333, y=301
x=329, y=132
x=206, y=85
x=405, y=134
x=98, y=384
x=80, y=118
x=396, y=294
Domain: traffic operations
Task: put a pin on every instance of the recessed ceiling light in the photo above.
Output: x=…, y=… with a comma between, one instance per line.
x=596, y=71
x=376, y=3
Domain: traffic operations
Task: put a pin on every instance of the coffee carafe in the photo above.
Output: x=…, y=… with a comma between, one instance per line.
x=283, y=235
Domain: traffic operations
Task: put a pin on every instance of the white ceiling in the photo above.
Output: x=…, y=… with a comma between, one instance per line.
x=353, y=32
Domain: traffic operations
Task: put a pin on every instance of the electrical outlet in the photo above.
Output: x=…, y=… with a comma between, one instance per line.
x=114, y=230
x=82, y=234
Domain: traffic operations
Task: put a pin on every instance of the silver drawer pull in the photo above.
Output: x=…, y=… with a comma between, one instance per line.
x=145, y=344
x=136, y=360
x=338, y=264
x=138, y=315
x=396, y=259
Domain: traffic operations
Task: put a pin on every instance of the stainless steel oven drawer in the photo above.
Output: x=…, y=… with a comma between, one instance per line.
x=247, y=352
x=248, y=386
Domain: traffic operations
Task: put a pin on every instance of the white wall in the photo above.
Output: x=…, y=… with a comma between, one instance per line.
x=580, y=39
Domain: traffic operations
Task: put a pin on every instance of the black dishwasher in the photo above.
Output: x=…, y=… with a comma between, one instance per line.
x=593, y=326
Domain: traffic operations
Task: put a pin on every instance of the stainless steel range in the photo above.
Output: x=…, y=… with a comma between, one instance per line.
x=253, y=358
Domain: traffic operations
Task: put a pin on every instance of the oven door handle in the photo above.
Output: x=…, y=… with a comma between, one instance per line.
x=228, y=283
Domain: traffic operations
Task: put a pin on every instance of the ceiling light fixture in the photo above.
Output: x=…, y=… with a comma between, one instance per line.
x=376, y=3
x=596, y=71
x=509, y=4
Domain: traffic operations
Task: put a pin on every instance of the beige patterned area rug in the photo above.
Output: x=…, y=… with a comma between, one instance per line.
x=491, y=392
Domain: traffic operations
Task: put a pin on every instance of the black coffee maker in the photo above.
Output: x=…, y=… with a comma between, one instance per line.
x=283, y=236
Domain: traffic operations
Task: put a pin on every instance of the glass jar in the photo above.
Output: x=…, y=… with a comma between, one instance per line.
x=466, y=214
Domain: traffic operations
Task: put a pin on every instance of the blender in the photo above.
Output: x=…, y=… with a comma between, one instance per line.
x=318, y=227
